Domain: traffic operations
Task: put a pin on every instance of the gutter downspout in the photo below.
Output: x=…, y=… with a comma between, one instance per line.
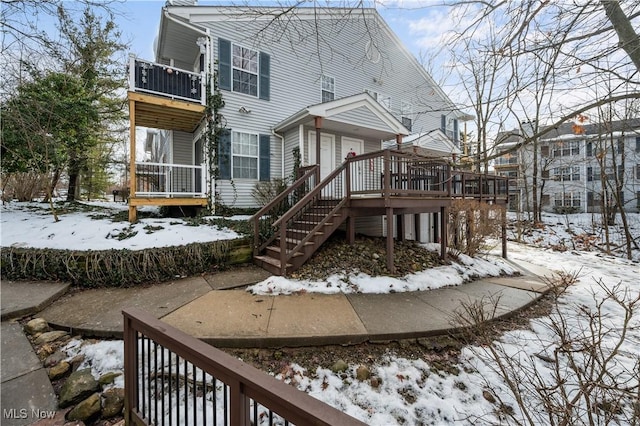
x=273, y=132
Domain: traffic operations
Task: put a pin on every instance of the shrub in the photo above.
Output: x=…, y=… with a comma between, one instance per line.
x=472, y=223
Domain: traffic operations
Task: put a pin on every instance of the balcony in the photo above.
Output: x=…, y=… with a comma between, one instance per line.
x=165, y=97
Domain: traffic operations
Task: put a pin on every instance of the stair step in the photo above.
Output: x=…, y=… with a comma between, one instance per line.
x=271, y=261
x=300, y=222
x=277, y=250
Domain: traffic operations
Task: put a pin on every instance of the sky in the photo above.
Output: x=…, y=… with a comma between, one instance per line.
x=408, y=391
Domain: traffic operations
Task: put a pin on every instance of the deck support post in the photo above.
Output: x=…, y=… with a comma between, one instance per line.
x=444, y=230
x=504, y=231
x=133, y=210
x=390, y=264
x=351, y=230
x=400, y=227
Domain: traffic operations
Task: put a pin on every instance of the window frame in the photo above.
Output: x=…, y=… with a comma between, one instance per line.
x=233, y=155
x=235, y=68
x=566, y=149
x=324, y=90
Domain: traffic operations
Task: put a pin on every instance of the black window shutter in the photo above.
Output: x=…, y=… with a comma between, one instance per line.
x=443, y=123
x=265, y=157
x=224, y=64
x=265, y=71
x=224, y=155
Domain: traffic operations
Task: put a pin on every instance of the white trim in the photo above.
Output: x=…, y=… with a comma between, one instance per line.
x=301, y=143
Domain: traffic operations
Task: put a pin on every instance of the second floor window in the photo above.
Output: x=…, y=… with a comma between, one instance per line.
x=328, y=88
x=245, y=70
x=564, y=149
x=567, y=173
x=382, y=99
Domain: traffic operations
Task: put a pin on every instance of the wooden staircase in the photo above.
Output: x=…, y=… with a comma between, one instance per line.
x=302, y=238
x=285, y=241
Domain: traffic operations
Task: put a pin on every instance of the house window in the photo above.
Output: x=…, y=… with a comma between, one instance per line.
x=564, y=149
x=406, y=110
x=638, y=199
x=589, y=149
x=621, y=172
x=545, y=174
x=637, y=143
x=567, y=199
x=243, y=70
x=620, y=146
x=544, y=150
x=590, y=175
x=638, y=171
x=566, y=173
x=244, y=158
x=328, y=88
x=546, y=199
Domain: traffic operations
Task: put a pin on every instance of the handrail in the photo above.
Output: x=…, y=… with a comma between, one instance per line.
x=152, y=348
x=274, y=204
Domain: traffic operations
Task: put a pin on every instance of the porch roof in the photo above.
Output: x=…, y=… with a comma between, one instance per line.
x=432, y=144
x=357, y=114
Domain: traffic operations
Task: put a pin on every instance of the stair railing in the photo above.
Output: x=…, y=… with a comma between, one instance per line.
x=264, y=219
x=328, y=197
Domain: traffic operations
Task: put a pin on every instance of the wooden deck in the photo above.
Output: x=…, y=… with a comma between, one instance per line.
x=383, y=183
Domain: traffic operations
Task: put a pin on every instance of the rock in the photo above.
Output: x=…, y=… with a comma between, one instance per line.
x=57, y=420
x=376, y=382
x=78, y=386
x=36, y=325
x=86, y=409
x=339, y=366
x=363, y=373
x=112, y=402
x=59, y=370
x=488, y=396
x=76, y=362
x=108, y=378
x=50, y=336
x=54, y=359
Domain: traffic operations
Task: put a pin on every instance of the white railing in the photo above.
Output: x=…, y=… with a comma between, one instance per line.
x=170, y=180
x=164, y=80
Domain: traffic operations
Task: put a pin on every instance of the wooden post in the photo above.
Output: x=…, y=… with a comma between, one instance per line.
x=399, y=140
x=504, y=231
x=351, y=230
x=444, y=230
x=133, y=212
x=318, y=124
x=390, y=264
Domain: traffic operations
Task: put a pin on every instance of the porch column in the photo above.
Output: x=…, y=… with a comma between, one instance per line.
x=390, y=264
x=444, y=230
x=399, y=139
x=318, y=124
x=504, y=231
x=133, y=212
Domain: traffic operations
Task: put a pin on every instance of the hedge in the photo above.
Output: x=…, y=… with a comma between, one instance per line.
x=121, y=268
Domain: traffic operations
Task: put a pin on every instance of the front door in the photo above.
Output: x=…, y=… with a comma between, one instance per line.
x=327, y=153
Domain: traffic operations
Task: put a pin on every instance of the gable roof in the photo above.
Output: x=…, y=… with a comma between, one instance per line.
x=567, y=130
x=434, y=144
x=349, y=113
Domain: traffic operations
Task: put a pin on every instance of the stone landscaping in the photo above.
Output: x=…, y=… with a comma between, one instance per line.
x=82, y=399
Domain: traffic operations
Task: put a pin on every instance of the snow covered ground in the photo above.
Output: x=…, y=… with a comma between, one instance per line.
x=412, y=392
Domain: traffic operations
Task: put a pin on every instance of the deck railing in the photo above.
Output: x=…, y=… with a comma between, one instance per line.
x=169, y=180
x=164, y=80
x=263, y=220
x=172, y=378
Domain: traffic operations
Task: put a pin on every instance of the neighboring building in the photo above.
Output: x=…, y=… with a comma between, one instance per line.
x=573, y=162
x=324, y=83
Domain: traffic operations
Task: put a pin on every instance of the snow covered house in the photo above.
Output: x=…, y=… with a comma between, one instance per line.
x=304, y=90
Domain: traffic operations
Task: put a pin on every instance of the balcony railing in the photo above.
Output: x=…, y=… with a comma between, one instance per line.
x=169, y=180
x=172, y=378
x=164, y=80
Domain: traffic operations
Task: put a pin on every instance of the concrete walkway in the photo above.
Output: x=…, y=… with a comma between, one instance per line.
x=210, y=308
